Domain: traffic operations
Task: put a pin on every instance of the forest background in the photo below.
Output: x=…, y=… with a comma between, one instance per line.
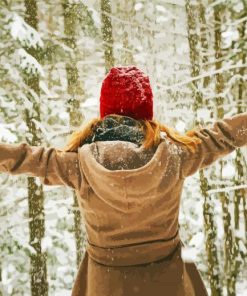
x=53, y=58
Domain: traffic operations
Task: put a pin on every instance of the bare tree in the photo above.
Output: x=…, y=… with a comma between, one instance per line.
x=106, y=29
x=224, y=197
x=240, y=194
x=240, y=105
x=204, y=41
x=38, y=271
x=75, y=92
x=210, y=229
x=125, y=12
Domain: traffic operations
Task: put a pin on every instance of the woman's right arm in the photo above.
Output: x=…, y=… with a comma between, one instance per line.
x=53, y=166
x=217, y=141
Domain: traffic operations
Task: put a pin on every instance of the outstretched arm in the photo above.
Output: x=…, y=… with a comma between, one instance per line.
x=218, y=140
x=53, y=166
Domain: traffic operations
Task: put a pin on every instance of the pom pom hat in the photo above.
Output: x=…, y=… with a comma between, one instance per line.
x=126, y=91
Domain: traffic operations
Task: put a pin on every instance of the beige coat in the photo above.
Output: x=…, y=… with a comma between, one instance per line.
x=129, y=199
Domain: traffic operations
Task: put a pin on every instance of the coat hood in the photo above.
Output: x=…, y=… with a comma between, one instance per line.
x=114, y=155
x=128, y=174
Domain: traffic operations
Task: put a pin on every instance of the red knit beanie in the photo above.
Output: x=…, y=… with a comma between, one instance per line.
x=126, y=91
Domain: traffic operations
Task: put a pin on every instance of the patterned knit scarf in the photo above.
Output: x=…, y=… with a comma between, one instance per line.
x=111, y=129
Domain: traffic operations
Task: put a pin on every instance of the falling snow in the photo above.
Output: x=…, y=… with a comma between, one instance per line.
x=155, y=38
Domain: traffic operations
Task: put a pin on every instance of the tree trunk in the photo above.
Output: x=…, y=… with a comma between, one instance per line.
x=219, y=88
x=38, y=270
x=1, y=294
x=204, y=42
x=106, y=29
x=210, y=229
x=239, y=179
x=193, y=39
x=232, y=252
x=125, y=11
x=241, y=84
x=75, y=91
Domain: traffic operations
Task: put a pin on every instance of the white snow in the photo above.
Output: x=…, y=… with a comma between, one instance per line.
x=46, y=243
x=29, y=63
x=180, y=126
x=138, y=6
x=188, y=254
x=24, y=33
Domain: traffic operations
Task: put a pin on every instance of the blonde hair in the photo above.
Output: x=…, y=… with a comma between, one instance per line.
x=152, y=134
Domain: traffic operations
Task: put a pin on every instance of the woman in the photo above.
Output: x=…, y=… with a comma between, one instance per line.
x=128, y=179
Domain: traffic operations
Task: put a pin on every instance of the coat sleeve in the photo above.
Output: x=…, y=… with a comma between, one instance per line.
x=218, y=140
x=51, y=165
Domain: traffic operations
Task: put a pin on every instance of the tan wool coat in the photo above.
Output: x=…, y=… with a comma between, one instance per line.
x=129, y=199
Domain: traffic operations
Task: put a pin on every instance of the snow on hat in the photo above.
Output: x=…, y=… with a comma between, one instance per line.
x=126, y=91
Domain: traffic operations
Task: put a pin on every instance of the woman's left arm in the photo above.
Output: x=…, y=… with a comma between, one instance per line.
x=217, y=141
x=53, y=166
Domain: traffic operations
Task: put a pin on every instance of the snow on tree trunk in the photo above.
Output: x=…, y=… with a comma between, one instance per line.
x=241, y=194
x=123, y=31
x=154, y=34
x=204, y=43
x=208, y=214
x=240, y=104
x=75, y=91
x=106, y=29
x=224, y=196
x=38, y=270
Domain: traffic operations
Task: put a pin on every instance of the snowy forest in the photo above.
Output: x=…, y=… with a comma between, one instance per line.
x=53, y=58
